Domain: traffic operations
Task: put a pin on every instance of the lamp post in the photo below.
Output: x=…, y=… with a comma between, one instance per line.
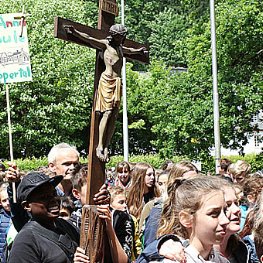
x=215, y=88
x=124, y=101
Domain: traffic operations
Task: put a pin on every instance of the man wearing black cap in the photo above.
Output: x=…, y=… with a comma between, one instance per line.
x=45, y=238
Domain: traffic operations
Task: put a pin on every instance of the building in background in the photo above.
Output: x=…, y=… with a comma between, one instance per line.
x=255, y=140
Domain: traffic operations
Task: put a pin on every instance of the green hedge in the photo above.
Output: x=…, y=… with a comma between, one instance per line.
x=155, y=160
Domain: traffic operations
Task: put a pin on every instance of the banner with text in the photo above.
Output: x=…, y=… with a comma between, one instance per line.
x=14, y=52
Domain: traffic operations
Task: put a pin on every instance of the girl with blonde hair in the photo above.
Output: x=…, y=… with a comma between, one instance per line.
x=239, y=171
x=196, y=215
x=231, y=246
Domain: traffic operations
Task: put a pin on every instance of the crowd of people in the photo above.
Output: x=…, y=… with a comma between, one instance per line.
x=172, y=213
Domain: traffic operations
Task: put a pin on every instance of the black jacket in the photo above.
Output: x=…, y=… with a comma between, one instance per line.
x=36, y=243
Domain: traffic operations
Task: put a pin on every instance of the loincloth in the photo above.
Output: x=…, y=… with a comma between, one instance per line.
x=108, y=94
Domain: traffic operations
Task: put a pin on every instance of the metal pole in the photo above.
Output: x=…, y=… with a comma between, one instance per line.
x=10, y=136
x=215, y=88
x=124, y=101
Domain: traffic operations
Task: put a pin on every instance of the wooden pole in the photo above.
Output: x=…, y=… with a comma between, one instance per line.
x=10, y=136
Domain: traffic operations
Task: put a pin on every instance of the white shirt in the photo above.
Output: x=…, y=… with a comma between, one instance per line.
x=193, y=256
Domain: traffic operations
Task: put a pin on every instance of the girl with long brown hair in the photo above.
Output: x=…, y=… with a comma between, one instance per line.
x=143, y=188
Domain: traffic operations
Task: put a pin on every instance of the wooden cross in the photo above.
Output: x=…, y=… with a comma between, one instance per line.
x=107, y=11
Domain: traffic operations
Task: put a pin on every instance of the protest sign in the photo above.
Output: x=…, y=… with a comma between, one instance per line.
x=14, y=52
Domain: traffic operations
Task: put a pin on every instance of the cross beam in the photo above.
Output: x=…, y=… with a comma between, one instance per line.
x=96, y=33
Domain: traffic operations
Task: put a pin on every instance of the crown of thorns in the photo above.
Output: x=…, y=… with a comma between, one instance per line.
x=118, y=29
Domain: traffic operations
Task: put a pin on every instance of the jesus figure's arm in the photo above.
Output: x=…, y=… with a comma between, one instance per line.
x=131, y=51
x=94, y=42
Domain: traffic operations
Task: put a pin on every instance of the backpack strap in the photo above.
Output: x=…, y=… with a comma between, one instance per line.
x=63, y=241
x=115, y=217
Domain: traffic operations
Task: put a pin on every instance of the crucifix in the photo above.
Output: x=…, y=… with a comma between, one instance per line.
x=111, y=46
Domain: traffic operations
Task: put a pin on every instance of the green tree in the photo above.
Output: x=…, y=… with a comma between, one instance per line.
x=168, y=112
x=240, y=66
x=180, y=107
x=169, y=30
x=56, y=106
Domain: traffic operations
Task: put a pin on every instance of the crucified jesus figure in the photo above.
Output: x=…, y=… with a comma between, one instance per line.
x=109, y=89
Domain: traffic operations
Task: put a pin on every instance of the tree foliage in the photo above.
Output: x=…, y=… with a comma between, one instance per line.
x=56, y=106
x=180, y=106
x=169, y=112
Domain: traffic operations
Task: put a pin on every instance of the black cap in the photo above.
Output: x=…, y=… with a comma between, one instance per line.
x=32, y=181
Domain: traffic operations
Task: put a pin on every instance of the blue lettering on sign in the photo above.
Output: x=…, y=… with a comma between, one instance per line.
x=6, y=77
x=2, y=22
x=15, y=38
x=14, y=23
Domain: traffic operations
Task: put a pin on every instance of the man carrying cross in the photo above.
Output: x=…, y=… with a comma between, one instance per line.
x=108, y=96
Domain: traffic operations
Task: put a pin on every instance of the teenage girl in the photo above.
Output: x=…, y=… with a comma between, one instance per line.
x=123, y=177
x=151, y=217
x=143, y=188
x=197, y=214
x=231, y=246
